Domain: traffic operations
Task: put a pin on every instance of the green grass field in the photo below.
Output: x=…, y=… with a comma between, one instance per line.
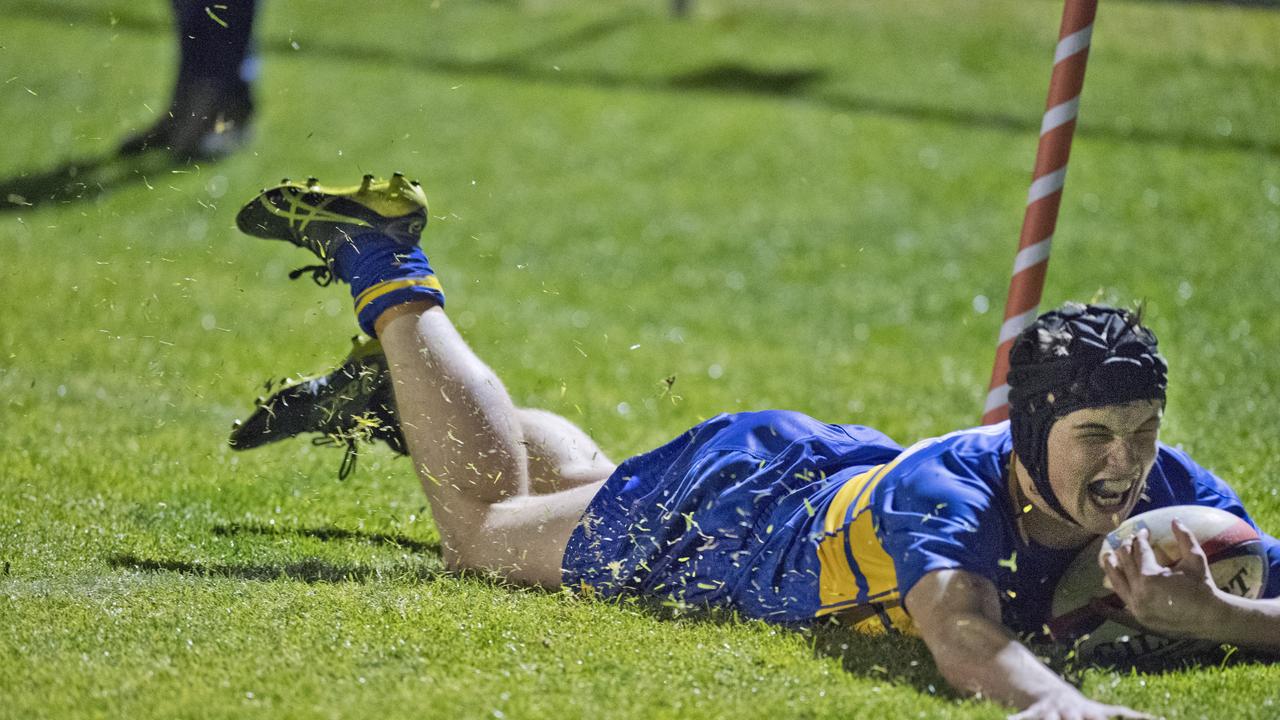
x=810, y=205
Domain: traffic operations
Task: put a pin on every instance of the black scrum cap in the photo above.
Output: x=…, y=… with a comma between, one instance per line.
x=1075, y=357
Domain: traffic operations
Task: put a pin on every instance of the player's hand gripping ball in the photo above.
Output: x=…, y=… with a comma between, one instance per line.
x=1091, y=617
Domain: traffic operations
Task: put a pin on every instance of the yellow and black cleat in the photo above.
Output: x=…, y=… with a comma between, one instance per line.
x=354, y=403
x=318, y=217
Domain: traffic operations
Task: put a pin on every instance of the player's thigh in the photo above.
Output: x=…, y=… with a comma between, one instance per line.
x=561, y=455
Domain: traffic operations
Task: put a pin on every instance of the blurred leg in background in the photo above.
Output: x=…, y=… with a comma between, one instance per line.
x=212, y=103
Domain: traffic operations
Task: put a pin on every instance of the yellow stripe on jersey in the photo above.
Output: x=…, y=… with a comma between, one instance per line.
x=853, y=489
x=854, y=569
x=874, y=563
x=382, y=288
x=837, y=583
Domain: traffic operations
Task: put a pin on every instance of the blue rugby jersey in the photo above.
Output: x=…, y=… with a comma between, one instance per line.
x=785, y=518
x=945, y=503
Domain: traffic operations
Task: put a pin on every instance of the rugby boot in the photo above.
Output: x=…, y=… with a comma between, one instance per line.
x=365, y=235
x=353, y=404
x=322, y=218
x=202, y=123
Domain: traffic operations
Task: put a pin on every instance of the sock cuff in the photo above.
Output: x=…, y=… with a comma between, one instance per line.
x=379, y=298
x=373, y=292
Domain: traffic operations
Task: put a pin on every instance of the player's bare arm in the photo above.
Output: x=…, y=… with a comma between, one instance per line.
x=1181, y=600
x=957, y=614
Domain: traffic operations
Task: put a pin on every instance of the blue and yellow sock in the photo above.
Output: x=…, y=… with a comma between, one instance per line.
x=384, y=273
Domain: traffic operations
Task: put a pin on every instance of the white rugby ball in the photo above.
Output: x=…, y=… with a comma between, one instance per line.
x=1237, y=560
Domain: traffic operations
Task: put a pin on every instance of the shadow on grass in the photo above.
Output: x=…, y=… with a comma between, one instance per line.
x=902, y=660
x=893, y=659
x=308, y=570
x=80, y=179
x=529, y=64
x=330, y=533
x=739, y=78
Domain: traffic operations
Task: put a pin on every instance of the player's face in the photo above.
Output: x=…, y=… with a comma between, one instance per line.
x=1099, y=459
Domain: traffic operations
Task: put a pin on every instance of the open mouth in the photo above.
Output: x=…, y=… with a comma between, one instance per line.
x=1111, y=493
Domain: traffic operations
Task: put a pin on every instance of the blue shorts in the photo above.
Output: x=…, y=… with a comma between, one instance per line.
x=730, y=513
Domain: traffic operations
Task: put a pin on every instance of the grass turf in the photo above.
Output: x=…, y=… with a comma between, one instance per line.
x=811, y=207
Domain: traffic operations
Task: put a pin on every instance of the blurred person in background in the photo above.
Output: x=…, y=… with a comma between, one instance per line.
x=212, y=104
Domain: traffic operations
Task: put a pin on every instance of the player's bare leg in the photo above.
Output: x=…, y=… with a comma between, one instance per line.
x=469, y=443
x=353, y=404
x=467, y=440
x=561, y=456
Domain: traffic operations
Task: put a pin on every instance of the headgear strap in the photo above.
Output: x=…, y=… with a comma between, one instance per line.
x=1076, y=357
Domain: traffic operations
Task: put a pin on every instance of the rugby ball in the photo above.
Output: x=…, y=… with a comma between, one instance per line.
x=1237, y=560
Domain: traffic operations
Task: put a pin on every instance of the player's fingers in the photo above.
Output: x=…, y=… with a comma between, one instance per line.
x=1146, y=557
x=1192, y=553
x=1186, y=540
x=1115, y=576
x=1127, y=558
x=1123, y=551
x=1110, y=569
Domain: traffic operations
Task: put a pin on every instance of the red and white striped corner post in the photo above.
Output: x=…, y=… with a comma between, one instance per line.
x=1041, y=217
